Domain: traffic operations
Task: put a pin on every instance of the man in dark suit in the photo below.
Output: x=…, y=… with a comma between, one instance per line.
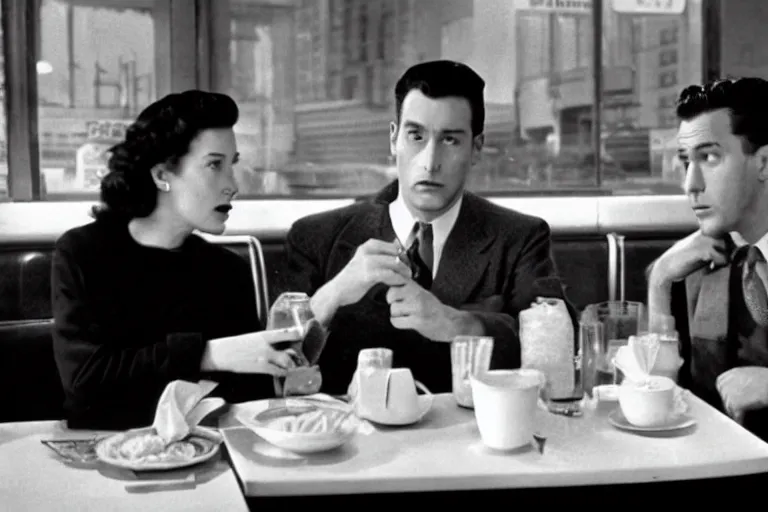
x=714, y=281
x=425, y=260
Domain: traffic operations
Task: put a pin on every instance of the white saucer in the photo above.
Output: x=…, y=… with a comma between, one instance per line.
x=425, y=404
x=617, y=419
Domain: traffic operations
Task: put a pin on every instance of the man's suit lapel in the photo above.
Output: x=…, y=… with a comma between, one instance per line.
x=465, y=256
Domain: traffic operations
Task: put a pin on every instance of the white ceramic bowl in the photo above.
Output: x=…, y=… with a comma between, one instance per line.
x=651, y=404
x=270, y=425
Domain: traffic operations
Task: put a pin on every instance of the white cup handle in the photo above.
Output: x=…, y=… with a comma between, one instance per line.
x=422, y=387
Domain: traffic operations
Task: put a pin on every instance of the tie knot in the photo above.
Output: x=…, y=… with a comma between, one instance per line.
x=748, y=254
x=754, y=255
x=422, y=231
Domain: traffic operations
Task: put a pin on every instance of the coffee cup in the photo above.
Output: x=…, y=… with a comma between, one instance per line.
x=389, y=396
x=368, y=360
x=649, y=402
x=506, y=402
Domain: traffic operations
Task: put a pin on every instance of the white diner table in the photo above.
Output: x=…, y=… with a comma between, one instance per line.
x=33, y=477
x=444, y=453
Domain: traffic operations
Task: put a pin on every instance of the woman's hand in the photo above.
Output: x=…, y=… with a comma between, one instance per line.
x=252, y=353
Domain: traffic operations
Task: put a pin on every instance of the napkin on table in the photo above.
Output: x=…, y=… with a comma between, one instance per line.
x=178, y=408
x=637, y=358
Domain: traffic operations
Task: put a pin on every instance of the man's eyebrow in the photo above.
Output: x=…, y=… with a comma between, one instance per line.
x=455, y=131
x=699, y=147
x=448, y=131
x=412, y=124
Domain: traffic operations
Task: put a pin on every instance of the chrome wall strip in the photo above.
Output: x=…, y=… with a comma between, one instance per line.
x=270, y=219
x=622, y=276
x=612, y=264
x=655, y=214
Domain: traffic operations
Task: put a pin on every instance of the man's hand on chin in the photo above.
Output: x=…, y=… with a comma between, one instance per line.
x=743, y=389
x=413, y=307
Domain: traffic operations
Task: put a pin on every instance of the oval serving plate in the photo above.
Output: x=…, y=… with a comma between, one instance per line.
x=199, y=446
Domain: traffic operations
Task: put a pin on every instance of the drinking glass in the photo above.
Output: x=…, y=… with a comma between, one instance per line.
x=620, y=320
x=292, y=310
x=590, y=342
x=469, y=356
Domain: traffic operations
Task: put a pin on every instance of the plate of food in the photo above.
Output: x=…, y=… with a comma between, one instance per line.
x=144, y=450
x=302, y=426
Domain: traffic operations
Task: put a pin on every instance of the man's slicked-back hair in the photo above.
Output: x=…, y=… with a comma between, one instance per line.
x=746, y=100
x=440, y=79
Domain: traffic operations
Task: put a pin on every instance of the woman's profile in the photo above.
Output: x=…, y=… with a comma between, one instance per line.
x=139, y=300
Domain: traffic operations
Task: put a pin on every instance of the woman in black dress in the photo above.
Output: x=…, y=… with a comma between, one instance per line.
x=138, y=299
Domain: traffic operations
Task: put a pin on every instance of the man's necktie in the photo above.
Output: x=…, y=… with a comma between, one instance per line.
x=420, y=254
x=755, y=296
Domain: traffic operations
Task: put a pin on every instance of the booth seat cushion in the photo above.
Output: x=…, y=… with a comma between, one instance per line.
x=29, y=379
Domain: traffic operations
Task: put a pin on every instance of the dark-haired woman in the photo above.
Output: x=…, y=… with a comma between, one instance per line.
x=138, y=299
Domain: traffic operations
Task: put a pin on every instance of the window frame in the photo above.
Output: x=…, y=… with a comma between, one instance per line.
x=177, y=59
x=189, y=54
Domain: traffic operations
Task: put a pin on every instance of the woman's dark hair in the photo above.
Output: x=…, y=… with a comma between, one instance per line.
x=160, y=135
x=746, y=100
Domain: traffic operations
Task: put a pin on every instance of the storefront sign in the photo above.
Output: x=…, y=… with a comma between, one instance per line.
x=555, y=6
x=649, y=6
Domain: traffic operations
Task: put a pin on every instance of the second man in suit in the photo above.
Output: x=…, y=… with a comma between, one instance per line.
x=424, y=260
x=713, y=281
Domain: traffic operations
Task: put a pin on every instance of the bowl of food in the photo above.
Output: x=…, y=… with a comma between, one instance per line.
x=303, y=427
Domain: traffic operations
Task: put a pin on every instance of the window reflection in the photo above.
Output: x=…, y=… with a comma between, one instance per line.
x=101, y=56
x=315, y=79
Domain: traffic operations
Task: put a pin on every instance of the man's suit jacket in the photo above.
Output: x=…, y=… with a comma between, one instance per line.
x=703, y=307
x=495, y=262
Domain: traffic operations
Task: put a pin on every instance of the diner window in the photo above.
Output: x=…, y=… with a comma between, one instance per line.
x=322, y=130
x=664, y=56
x=96, y=73
x=314, y=81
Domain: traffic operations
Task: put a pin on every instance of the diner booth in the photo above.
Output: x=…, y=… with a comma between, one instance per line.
x=295, y=130
x=440, y=458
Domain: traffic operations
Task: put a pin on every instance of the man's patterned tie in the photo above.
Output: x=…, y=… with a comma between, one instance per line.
x=420, y=254
x=754, y=289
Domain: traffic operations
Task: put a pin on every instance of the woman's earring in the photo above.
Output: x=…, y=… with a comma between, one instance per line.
x=166, y=187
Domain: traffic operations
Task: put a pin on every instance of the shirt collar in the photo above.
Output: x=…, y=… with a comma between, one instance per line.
x=761, y=244
x=403, y=221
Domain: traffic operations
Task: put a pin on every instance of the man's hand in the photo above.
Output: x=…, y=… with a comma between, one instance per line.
x=374, y=262
x=743, y=389
x=688, y=255
x=685, y=257
x=413, y=307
